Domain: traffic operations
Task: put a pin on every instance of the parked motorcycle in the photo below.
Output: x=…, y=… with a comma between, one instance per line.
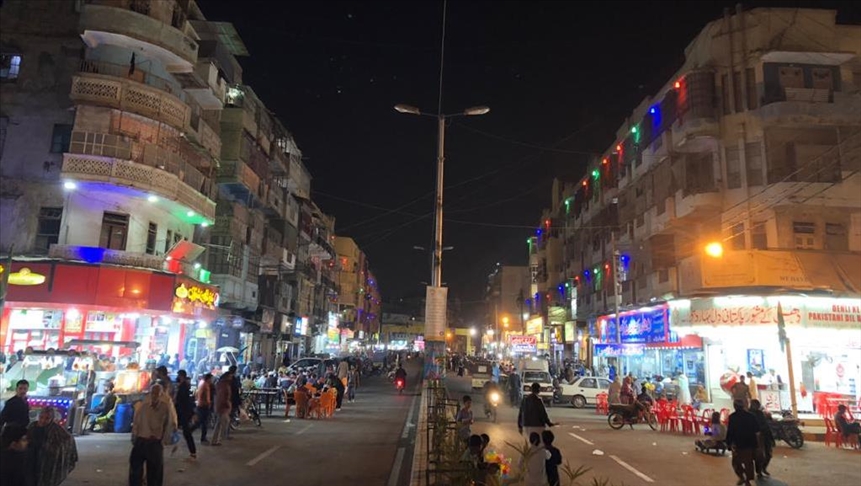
x=787, y=430
x=621, y=415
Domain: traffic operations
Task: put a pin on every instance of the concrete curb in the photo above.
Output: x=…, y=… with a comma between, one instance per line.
x=417, y=476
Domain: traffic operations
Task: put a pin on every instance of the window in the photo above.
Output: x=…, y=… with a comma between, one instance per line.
x=753, y=163
x=758, y=236
x=168, y=241
x=804, y=234
x=822, y=78
x=587, y=383
x=733, y=167
x=835, y=237
x=151, y=234
x=10, y=64
x=177, y=238
x=115, y=228
x=60, y=139
x=736, y=240
x=724, y=84
x=790, y=77
x=750, y=84
x=48, y=230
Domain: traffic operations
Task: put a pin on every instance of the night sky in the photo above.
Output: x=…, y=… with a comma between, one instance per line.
x=560, y=77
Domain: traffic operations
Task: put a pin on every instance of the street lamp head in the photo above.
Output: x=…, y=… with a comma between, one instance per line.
x=475, y=110
x=714, y=249
x=409, y=109
x=472, y=331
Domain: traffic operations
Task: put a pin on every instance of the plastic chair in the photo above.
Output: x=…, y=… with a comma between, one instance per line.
x=690, y=422
x=301, y=399
x=706, y=417
x=724, y=416
x=602, y=403
x=832, y=434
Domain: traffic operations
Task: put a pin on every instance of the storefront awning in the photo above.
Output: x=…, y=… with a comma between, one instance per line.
x=838, y=273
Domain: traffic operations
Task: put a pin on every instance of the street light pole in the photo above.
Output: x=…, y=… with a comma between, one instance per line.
x=436, y=278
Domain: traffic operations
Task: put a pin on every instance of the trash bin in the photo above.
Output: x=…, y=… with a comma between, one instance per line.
x=123, y=418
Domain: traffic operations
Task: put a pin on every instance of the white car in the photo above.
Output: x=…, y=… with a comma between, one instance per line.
x=542, y=378
x=584, y=390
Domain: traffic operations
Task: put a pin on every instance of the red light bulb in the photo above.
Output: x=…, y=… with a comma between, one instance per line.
x=619, y=147
x=604, y=161
x=584, y=183
x=678, y=84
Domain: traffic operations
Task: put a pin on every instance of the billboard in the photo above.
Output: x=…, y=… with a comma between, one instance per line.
x=523, y=344
x=435, y=313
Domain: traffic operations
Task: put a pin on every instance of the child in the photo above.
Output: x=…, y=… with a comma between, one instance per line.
x=555, y=459
x=535, y=462
x=464, y=419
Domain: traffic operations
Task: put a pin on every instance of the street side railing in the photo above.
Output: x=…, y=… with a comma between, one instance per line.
x=443, y=465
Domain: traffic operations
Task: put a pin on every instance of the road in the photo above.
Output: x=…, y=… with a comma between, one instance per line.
x=642, y=456
x=368, y=442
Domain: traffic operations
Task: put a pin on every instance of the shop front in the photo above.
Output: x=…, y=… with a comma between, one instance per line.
x=110, y=318
x=741, y=335
x=647, y=347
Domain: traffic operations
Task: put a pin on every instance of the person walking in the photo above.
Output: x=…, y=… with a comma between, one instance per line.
x=535, y=462
x=185, y=411
x=740, y=391
x=14, y=468
x=742, y=438
x=515, y=389
x=352, y=384
x=53, y=452
x=204, y=405
x=751, y=385
x=533, y=416
x=153, y=426
x=766, y=440
x=615, y=391
x=554, y=460
x=223, y=407
x=17, y=410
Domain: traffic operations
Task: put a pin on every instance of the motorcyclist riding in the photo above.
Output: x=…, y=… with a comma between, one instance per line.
x=490, y=388
x=401, y=374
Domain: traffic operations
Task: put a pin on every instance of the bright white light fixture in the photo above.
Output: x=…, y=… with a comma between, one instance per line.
x=204, y=224
x=152, y=198
x=70, y=185
x=190, y=214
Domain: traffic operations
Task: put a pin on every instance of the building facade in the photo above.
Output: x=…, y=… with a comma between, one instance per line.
x=734, y=188
x=149, y=195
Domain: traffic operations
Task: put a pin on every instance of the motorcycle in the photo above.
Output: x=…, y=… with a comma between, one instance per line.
x=635, y=413
x=399, y=383
x=787, y=430
x=491, y=404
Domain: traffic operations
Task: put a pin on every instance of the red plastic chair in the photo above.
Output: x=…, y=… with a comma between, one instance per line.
x=724, y=416
x=832, y=434
x=706, y=417
x=690, y=422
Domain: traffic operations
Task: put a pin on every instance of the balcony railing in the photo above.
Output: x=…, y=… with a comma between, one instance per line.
x=155, y=170
x=125, y=71
x=129, y=95
x=238, y=171
x=148, y=21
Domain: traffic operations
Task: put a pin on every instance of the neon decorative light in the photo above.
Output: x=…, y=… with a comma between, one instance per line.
x=26, y=277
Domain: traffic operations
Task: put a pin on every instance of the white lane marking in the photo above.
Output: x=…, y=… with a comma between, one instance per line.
x=304, y=429
x=262, y=456
x=572, y=434
x=396, y=469
x=632, y=469
x=406, y=432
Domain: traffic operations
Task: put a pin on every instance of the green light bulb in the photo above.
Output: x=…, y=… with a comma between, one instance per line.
x=634, y=129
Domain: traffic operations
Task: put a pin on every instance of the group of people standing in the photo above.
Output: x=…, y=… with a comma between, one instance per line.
x=41, y=453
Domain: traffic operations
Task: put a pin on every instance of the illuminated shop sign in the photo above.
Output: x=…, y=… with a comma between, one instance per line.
x=197, y=295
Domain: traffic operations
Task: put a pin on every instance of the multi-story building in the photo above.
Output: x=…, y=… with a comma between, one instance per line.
x=508, y=287
x=734, y=189
x=169, y=205
x=359, y=300
x=108, y=175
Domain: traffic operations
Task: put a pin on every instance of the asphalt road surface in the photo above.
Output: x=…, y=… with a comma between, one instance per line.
x=368, y=442
x=642, y=457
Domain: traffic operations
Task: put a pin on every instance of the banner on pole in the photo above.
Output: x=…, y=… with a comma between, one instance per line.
x=435, y=313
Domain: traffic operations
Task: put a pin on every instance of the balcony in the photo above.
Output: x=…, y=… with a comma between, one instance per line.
x=199, y=131
x=695, y=134
x=235, y=292
x=104, y=158
x=697, y=206
x=274, y=207
x=805, y=107
x=124, y=71
x=240, y=181
x=129, y=95
x=113, y=257
x=663, y=222
x=135, y=25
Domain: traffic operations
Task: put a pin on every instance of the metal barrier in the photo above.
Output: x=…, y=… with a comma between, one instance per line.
x=444, y=447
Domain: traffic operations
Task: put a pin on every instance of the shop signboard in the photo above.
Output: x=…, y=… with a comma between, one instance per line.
x=523, y=344
x=267, y=321
x=754, y=268
x=192, y=298
x=648, y=325
x=821, y=312
x=570, y=332
x=535, y=325
x=617, y=350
